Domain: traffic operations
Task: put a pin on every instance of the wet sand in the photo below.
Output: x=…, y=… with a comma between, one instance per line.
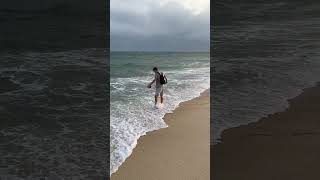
x=282, y=146
x=180, y=151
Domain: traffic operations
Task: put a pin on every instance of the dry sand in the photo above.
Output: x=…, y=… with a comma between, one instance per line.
x=282, y=146
x=179, y=152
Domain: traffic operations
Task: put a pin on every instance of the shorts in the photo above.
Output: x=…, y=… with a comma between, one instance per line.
x=159, y=91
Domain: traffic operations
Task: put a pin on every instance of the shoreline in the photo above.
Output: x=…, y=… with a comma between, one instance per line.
x=158, y=153
x=280, y=143
x=285, y=104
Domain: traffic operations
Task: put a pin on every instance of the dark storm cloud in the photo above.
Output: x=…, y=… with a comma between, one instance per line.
x=147, y=26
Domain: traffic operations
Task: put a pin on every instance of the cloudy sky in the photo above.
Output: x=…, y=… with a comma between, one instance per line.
x=160, y=25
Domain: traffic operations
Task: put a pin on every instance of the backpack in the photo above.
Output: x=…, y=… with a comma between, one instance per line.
x=163, y=79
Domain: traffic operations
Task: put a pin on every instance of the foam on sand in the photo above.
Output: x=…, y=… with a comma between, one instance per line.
x=133, y=113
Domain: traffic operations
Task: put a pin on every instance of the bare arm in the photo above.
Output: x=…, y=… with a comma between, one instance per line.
x=154, y=80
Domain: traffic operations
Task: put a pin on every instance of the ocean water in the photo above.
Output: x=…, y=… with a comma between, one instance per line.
x=53, y=111
x=262, y=57
x=132, y=103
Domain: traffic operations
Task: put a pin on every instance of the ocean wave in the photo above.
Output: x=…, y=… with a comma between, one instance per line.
x=132, y=107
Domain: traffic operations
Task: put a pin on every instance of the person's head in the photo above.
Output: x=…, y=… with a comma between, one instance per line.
x=155, y=69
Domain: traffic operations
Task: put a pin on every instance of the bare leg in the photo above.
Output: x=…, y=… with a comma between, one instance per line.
x=155, y=100
x=161, y=96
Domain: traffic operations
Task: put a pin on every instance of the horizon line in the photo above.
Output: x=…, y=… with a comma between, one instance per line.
x=152, y=51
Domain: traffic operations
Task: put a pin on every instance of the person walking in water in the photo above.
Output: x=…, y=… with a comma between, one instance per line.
x=159, y=79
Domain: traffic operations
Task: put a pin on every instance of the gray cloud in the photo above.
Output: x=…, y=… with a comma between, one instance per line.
x=145, y=25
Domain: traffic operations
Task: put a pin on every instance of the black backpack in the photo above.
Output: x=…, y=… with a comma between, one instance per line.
x=163, y=79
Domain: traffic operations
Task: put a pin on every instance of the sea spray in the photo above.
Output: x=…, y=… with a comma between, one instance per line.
x=132, y=105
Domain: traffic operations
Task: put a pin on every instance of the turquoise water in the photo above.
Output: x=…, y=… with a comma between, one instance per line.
x=132, y=107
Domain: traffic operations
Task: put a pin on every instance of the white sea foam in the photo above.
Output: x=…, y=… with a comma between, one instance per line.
x=132, y=107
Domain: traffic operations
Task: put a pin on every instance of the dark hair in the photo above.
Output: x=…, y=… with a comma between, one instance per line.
x=155, y=69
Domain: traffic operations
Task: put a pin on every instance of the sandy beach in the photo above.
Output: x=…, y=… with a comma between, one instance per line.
x=284, y=145
x=180, y=151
